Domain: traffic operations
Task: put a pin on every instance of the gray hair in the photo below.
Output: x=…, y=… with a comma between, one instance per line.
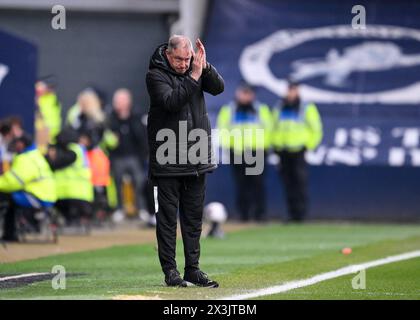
x=177, y=41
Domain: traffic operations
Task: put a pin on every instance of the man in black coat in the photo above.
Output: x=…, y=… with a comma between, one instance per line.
x=178, y=123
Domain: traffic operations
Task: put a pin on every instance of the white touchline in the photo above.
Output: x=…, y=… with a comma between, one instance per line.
x=323, y=276
x=27, y=275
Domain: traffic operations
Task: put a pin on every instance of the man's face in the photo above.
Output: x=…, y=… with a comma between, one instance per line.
x=17, y=130
x=179, y=59
x=122, y=103
x=293, y=93
x=245, y=96
x=40, y=88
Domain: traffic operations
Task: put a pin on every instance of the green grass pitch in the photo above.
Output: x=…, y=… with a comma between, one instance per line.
x=246, y=260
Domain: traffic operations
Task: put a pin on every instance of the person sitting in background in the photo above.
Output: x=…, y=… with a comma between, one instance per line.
x=58, y=155
x=72, y=174
x=130, y=154
x=5, y=138
x=16, y=126
x=10, y=128
x=48, y=113
x=28, y=184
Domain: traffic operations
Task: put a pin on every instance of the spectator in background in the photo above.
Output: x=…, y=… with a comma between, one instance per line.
x=243, y=115
x=16, y=126
x=72, y=174
x=28, y=184
x=48, y=113
x=75, y=110
x=5, y=138
x=130, y=154
x=297, y=128
x=10, y=128
x=100, y=175
x=87, y=116
x=88, y=119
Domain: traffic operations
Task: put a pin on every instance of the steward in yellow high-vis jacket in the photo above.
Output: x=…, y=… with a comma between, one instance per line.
x=48, y=116
x=73, y=176
x=239, y=123
x=74, y=181
x=297, y=127
x=29, y=184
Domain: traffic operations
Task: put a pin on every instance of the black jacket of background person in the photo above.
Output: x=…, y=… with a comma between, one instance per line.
x=132, y=136
x=174, y=98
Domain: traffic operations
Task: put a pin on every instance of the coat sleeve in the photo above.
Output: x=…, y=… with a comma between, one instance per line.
x=63, y=159
x=10, y=182
x=212, y=82
x=172, y=99
x=21, y=172
x=314, y=124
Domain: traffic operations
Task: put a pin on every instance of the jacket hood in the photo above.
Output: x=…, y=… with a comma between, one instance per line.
x=159, y=60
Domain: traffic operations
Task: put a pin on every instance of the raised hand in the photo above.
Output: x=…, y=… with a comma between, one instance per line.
x=201, y=49
x=197, y=65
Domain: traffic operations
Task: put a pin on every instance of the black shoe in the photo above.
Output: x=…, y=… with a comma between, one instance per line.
x=173, y=279
x=199, y=278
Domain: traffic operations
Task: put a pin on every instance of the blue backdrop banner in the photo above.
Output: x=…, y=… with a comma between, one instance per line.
x=18, y=65
x=365, y=78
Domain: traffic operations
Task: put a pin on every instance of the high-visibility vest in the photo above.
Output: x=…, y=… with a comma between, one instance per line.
x=31, y=173
x=50, y=110
x=295, y=130
x=238, y=131
x=74, y=181
x=100, y=166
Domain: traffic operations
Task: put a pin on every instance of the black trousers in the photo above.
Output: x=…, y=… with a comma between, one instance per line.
x=186, y=194
x=73, y=209
x=293, y=170
x=250, y=195
x=8, y=210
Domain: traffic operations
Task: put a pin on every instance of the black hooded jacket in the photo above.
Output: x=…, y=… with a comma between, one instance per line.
x=178, y=99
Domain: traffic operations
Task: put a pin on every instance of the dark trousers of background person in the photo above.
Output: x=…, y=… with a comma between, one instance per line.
x=132, y=167
x=250, y=192
x=8, y=211
x=294, y=172
x=74, y=209
x=186, y=193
